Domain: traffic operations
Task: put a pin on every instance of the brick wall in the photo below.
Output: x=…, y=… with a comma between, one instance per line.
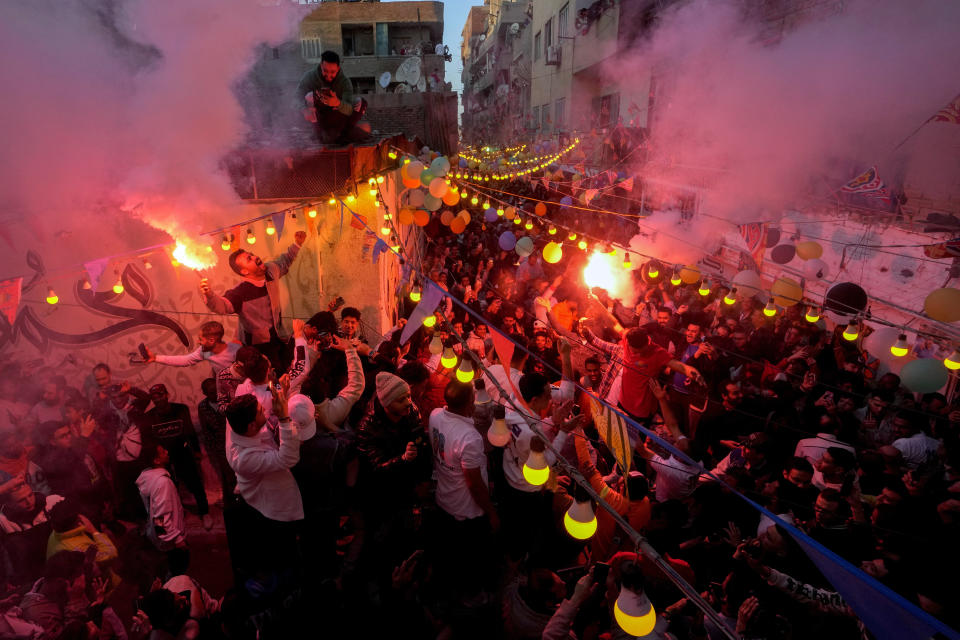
x=432, y=117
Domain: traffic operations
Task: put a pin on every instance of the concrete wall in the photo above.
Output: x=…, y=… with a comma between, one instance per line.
x=432, y=117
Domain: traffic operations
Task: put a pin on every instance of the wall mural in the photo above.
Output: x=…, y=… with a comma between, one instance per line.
x=161, y=307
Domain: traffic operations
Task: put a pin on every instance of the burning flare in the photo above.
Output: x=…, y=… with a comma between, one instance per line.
x=194, y=255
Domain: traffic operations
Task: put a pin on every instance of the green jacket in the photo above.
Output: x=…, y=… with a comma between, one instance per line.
x=313, y=80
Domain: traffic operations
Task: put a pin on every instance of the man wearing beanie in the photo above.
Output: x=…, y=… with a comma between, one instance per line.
x=394, y=460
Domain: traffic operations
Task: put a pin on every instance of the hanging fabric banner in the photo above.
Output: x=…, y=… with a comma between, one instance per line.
x=10, y=298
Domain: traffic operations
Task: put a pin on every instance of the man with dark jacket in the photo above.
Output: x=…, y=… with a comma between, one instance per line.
x=171, y=426
x=330, y=103
x=394, y=461
x=257, y=301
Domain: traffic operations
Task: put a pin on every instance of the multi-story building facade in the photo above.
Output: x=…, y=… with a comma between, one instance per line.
x=377, y=37
x=372, y=39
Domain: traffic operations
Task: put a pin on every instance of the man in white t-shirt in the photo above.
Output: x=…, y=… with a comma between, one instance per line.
x=463, y=492
x=914, y=445
x=459, y=464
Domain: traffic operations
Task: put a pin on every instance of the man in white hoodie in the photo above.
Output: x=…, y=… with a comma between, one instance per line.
x=165, y=519
x=270, y=506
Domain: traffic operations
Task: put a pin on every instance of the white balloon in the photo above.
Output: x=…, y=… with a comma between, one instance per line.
x=815, y=269
x=878, y=344
x=748, y=283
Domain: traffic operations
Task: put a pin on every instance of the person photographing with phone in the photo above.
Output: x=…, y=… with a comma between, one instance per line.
x=329, y=103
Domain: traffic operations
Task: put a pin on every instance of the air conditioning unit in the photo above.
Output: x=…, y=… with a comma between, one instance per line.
x=553, y=55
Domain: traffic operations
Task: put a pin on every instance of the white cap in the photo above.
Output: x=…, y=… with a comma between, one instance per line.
x=302, y=411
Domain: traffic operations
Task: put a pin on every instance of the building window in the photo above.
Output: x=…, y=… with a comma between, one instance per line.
x=548, y=33
x=545, y=114
x=558, y=109
x=562, y=19
x=357, y=39
x=536, y=117
x=310, y=48
x=536, y=46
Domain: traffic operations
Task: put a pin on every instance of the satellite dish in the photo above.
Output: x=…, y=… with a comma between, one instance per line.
x=438, y=50
x=422, y=84
x=408, y=71
x=403, y=87
x=483, y=37
x=515, y=28
x=385, y=79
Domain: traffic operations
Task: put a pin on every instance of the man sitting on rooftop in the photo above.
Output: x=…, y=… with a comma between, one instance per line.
x=330, y=103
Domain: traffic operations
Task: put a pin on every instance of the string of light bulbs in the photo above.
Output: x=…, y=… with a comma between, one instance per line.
x=851, y=331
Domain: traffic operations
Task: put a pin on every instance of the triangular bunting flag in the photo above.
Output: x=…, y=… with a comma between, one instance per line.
x=627, y=184
x=546, y=183
x=10, y=298
x=278, y=220
x=429, y=300
x=379, y=248
x=358, y=221
x=95, y=269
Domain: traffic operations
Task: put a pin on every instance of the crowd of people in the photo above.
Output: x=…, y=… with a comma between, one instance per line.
x=362, y=494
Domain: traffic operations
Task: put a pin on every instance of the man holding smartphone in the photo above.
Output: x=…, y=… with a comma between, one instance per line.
x=330, y=103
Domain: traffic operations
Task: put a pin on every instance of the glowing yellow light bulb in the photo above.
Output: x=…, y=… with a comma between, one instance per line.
x=552, y=231
x=517, y=220
x=770, y=310
x=536, y=471
x=627, y=264
x=271, y=230
x=118, y=287
x=430, y=320
x=225, y=243
x=582, y=245
x=851, y=332
x=580, y=521
x=704, y=289
x=465, y=371
x=385, y=230
x=392, y=155
x=474, y=200
x=675, y=279
x=813, y=314
x=449, y=358
x=528, y=225
x=415, y=294
x=653, y=271
x=251, y=239
x=500, y=211
x=634, y=613
x=900, y=348
x=332, y=201
x=952, y=361
x=406, y=161
x=52, y=297
x=351, y=198
x=486, y=205
x=373, y=193
x=371, y=181
x=572, y=236
x=731, y=297
x=436, y=345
